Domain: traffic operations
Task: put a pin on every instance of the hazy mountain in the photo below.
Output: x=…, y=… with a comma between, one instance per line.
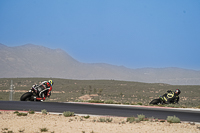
x=38, y=61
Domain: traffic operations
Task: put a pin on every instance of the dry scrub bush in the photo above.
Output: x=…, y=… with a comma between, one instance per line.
x=68, y=113
x=173, y=119
x=44, y=111
x=130, y=119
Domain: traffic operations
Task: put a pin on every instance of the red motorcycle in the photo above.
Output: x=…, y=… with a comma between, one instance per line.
x=30, y=95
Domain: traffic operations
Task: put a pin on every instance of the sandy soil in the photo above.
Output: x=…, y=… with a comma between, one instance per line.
x=34, y=123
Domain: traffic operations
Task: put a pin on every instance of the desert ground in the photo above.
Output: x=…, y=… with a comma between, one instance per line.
x=55, y=123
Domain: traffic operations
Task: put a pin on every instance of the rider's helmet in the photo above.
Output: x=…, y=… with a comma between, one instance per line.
x=51, y=82
x=177, y=92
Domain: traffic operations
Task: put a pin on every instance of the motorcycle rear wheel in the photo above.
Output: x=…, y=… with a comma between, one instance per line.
x=155, y=101
x=26, y=97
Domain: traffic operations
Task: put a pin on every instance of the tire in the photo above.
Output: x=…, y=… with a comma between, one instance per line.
x=155, y=101
x=26, y=97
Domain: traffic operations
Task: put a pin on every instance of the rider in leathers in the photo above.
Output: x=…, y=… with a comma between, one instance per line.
x=43, y=90
x=171, y=97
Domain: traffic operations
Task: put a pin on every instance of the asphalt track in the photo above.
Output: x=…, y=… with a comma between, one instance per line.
x=190, y=115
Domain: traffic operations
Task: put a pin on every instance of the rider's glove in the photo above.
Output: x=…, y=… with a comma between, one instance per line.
x=33, y=86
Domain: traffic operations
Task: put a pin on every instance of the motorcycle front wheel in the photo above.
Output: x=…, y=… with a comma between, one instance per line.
x=26, y=97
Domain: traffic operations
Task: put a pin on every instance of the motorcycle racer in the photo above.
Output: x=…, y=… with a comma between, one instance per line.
x=43, y=90
x=171, y=97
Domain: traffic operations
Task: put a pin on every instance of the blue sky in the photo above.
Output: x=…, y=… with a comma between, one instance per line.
x=130, y=33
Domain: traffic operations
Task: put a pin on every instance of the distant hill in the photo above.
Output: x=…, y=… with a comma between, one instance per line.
x=38, y=61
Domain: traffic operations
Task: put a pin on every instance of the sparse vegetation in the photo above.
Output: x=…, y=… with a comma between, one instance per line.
x=43, y=129
x=44, y=111
x=138, y=119
x=123, y=122
x=105, y=119
x=130, y=119
x=21, y=114
x=162, y=120
x=16, y=112
x=139, y=103
x=21, y=130
x=173, y=119
x=106, y=91
x=5, y=130
x=198, y=106
x=141, y=117
x=96, y=101
x=114, y=120
x=68, y=113
x=198, y=127
x=151, y=119
x=31, y=112
x=86, y=117
x=109, y=102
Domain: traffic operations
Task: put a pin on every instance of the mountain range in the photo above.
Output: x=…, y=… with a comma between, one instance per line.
x=37, y=61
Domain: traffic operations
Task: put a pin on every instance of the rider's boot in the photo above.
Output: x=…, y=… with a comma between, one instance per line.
x=41, y=99
x=34, y=98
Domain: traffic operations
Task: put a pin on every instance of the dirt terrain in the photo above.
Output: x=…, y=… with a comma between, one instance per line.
x=55, y=123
